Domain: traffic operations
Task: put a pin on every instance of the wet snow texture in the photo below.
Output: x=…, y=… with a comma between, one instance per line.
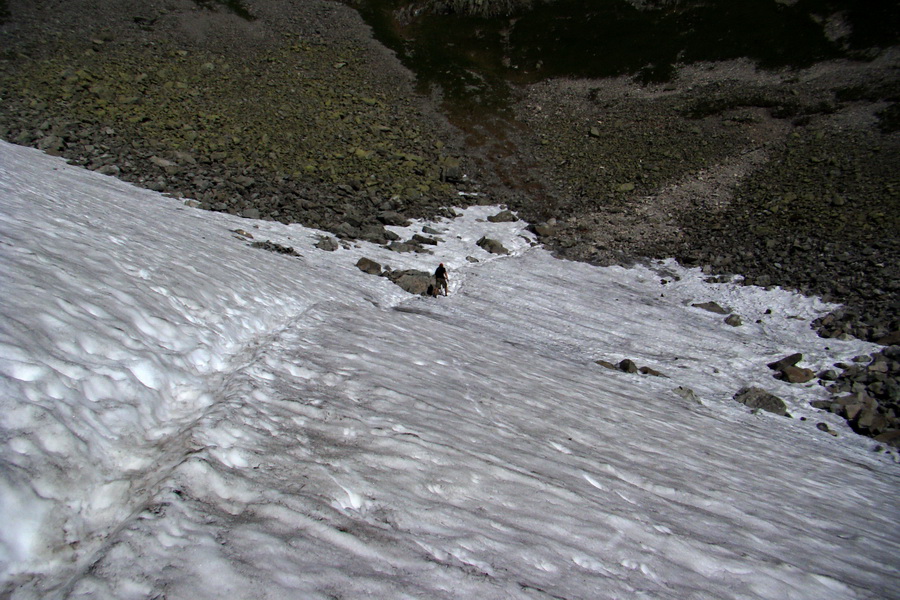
x=184, y=416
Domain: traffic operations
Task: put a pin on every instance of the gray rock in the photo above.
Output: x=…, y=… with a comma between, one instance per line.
x=797, y=375
x=787, y=361
x=756, y=398
x=378, y=235
x=649, y=371
x=712, y=307
x=628, y=366
x=389, y=217
x=733, y=320
x=828, y=375
x=329, y=244
x=421, y=239
x=492, y=246
x=891, y=437
x=404, y=247
x=51, y=144
x=687, y=393
x=543, y=230
x=250, y=213
x=274, y=247
x=504, y=216
x=367, y=265
x=111, y=170
x=413, y=281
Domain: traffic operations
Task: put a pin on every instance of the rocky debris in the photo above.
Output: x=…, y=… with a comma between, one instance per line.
x=867, y=395
x=733, y=174
x=786, y=369
x=273, y=247
x=416, y=243
x=712, y=307
x=416, y=282
x=628, y=366
x=390, y=217
x=492, y=246
x=333, y=150
x=425, y=240
x=759, y=399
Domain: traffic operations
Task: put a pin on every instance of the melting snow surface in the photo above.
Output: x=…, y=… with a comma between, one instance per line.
x=184, y=416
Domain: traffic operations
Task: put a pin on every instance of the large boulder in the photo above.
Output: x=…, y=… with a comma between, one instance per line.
x=413, y=281
x=492, y=246
x=756, y=398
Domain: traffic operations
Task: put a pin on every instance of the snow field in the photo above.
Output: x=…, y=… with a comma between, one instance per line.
x=184, y=416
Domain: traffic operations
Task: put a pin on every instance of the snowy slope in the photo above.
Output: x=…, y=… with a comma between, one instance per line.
x=184, y=416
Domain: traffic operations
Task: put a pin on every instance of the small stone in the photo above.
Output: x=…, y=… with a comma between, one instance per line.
x=828, y=375
x=628, y=366
x=649, y=371
x=111, y=170
x=687, y=393
x=733, y=320
x=711, y=307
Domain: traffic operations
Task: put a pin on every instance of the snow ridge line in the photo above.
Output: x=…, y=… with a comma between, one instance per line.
x=179, y=447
